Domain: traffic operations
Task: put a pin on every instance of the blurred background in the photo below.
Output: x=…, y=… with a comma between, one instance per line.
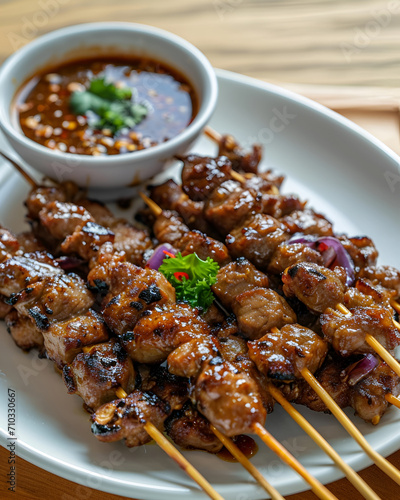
x=342, y=53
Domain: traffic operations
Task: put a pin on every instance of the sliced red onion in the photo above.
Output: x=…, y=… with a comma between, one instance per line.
x=159, y=255
x=67, y=263
x=359, y=370
x=332, y=251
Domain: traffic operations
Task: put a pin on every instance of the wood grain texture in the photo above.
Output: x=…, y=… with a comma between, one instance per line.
x=346, y=42
x=303, y=44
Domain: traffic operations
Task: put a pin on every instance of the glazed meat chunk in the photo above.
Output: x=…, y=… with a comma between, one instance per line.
x=125, y=418
x=229, y=399
x=23, y=330
x=190, y=430
x=96, y=374
x=86, y=240
x=236, y=278
x=284, y=354
x=40, y=196
x=368, y=396
x=229, y=205
x=316, y=286
x=288, y=255
x=132, y=291
x=65, y=339
x=346, y=332
x=386, y=276
x=331, y=378
x=61, y=219
x=308, y=222
x=161, y=330
x=257, y=239
x=260, y=309
x=201, y=175
x=19, y=272
x=54, y=299
x=203, y=246
x=246, y=161
x=361, y=250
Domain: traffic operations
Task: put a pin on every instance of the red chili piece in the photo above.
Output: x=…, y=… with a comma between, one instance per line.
x=179, y=275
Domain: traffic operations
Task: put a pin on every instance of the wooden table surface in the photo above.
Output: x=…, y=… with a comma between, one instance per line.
x=326, y=49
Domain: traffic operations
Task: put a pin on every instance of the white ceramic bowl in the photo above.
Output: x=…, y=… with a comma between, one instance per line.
x=99, y=39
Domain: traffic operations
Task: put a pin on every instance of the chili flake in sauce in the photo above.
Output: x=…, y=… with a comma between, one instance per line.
x=46, y=116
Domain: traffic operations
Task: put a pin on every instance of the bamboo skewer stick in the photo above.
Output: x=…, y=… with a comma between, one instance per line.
x=318, y=488
x=157, y=210
x=343, y=419
x=245, y=462
x=376, y=346
x=351, y=475
x=25, y=175
x=393, y=400
x=212, y=134
x=176, y=455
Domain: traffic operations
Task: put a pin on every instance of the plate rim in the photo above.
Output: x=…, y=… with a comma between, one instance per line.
x=78, y=475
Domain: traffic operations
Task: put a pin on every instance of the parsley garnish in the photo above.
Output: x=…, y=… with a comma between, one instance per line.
x=202, y=274
x=113, y=106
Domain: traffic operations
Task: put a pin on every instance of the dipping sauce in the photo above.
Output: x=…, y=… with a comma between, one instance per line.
x=45, y=115
x=246, y=445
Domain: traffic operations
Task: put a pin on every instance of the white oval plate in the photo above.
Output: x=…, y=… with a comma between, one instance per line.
x=347, y=175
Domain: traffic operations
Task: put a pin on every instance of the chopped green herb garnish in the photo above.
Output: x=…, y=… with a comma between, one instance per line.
x=113, y=106
x=192, y=278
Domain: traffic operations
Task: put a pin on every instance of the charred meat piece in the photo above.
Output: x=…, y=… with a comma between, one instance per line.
x=9, y=244
x=126, y=418
x=169, y=196
x=330, y=377
x=39, y=197
x=229, y=205
x=24, y=331
x=65, y=339
x=283, y=355
x=166, y=386
x=127, y=238
x=201, y=175
x=229, y=399
x=95, y=375
x=61, y=219
x=288, y=255
x=161, y=330
x=260, y=309
x=257, y=239
x=132, y=241
x=132, y=290
x=190, y=430
x=169, y=228
x=188, y=359
x=86, y=240
x=240, y=159
x=316, y=286
x=361, y=250
x=346, y=332
x=368, y=396
x=279, y=205
x=28, y=243
x=236, y=278
x=19, y=272
x=203, y=246
x=53, y=299
x=234, y=349
x=264, y=182
x=308, y=222
x=367, y=294
x=386, y=276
